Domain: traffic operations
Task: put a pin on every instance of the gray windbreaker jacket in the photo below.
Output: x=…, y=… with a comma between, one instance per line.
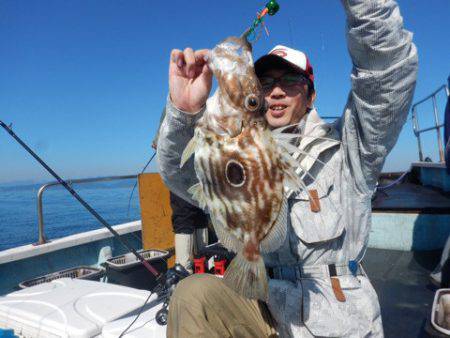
x=301, y=296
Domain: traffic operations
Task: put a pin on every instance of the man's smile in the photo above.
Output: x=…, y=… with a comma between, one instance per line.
x=277, y=109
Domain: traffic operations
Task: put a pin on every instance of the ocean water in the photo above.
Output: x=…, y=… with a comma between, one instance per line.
x=63, y=214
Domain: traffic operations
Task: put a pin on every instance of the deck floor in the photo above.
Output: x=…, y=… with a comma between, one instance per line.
x=401, y=280
x=412, y=197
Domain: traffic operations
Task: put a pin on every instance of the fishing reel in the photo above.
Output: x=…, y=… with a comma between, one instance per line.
x=168, y=285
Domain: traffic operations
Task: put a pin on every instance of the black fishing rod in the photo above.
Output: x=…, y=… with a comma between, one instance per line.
x=83, y=202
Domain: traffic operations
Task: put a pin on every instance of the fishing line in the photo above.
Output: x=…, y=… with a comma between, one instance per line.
x=290, y=32
x=123, y=241
x=395, y=182
x=138, y=314
x=135, y=183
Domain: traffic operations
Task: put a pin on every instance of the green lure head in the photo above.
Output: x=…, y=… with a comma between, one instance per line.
x=273, y=7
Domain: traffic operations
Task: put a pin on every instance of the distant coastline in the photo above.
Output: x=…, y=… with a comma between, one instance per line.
x=21, y=183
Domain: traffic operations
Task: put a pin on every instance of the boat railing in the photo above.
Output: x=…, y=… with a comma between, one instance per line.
x=437, y=124
x=42, y=239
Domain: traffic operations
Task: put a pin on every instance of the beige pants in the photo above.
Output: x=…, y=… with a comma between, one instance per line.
x=202, y=306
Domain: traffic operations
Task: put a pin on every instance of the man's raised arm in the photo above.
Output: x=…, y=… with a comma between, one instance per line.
x=383, y=80
x=190, y=81
x=176, y=131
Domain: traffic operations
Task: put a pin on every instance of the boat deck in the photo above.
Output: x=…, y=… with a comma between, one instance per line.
x=402, y=282
x=411, y=197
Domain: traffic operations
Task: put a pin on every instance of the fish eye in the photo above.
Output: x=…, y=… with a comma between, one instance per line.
x=252, y=102
x=235, y=174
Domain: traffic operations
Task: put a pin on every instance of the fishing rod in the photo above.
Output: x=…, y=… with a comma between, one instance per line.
x=147, y=265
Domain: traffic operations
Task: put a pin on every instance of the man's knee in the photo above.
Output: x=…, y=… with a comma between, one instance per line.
x=197, y=288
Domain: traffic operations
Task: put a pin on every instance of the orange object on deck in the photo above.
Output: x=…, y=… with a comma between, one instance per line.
x=156, y=214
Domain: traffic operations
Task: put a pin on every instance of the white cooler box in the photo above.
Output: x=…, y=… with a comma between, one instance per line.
x=78, y=308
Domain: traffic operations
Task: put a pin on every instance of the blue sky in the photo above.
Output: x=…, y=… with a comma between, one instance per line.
x=84, y=82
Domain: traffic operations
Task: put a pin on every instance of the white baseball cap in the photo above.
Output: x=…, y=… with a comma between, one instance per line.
x=284, y=55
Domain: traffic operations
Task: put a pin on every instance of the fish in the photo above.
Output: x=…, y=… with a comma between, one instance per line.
x=243, y=173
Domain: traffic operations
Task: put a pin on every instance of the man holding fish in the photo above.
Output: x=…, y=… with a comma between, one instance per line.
x=281, y=184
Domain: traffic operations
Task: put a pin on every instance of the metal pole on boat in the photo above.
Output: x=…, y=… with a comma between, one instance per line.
x=438, y=131
x=417, y=132
x=83, y=202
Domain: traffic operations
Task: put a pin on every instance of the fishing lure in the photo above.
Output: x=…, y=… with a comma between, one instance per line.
x=271, y=8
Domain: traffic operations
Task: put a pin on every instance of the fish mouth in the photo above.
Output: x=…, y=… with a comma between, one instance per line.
x=277, y=109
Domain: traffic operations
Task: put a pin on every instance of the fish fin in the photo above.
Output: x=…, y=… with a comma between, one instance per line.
x=248, y=279
x=291, y=185
x=277, y=234
x=227, y=239
x=293, y=181
x=289, y=136
x=282, y=129
x=197, y=194
x=188, y=151
x=300, y=125
x=297, y=163
x=290, y=148
x=289, y=161
x=315, y=158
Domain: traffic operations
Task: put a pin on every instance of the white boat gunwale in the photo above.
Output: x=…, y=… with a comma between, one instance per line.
x=30, y=250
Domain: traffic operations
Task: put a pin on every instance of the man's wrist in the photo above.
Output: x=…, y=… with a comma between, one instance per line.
x=181, y=116
x=189, y=110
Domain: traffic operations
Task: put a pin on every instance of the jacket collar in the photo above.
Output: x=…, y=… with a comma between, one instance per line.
x=314, y=127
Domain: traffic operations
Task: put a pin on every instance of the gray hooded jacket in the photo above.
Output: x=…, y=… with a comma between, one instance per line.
x=301, y=296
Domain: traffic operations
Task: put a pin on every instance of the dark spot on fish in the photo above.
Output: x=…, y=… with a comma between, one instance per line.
x=235, y=174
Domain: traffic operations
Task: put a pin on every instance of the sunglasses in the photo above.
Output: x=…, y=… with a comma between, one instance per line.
x=284, y=81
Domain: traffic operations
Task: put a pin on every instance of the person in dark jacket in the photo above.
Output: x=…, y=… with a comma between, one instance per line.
x=190, y=224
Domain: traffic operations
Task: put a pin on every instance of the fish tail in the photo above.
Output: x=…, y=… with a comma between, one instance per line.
x=248, y=279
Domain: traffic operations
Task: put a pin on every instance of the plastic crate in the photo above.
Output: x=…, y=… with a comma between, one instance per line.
x=216, y=249
x=81, y=272
x=127, y=270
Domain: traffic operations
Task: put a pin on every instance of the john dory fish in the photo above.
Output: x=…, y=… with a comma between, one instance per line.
x=241, y=171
